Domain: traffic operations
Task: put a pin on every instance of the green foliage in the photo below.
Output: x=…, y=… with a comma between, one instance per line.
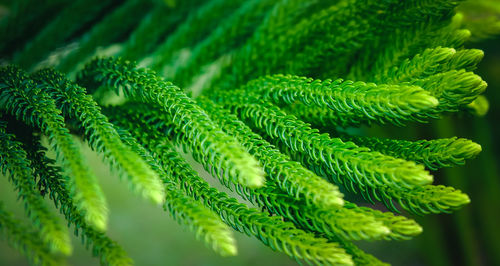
x=22, y=98
x=14, y=160
x=274, y=78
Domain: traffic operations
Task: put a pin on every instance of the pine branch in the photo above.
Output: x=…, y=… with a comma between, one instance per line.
x=279, y=235
x=330, y=221
x=76, y=104
x=419, y=200
x=187, y=211
x=346, y=160
x=288, y=175
x=110, y=252
x=434, y=154
x=231, y=33
x=190, y=119
x=350, y=102
x=161, y=21
x=23, y=99
x=14, y=162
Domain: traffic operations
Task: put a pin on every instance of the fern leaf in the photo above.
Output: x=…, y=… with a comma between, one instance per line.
x=13, y=161
x=189, y=118
x=75, y=103
x=23, y=99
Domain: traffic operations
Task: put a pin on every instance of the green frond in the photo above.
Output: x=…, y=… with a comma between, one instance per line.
x=346, y=160
x=185, y=210
x=14, y=162
x=22, y=98
x=193, y=29
x=112, y=26
x=453, y=88
x=25, y=240
x=328, y=220
x=73, y=18
x=75, y=103
x=331, y=223
x=349, y=102
x=290, y=176
x=110, y=252
x=432, y=61
x=271, y=230
x=434, y=154
x=260, y=51
x=400, y=227
x=423, y=199
x=201, y=133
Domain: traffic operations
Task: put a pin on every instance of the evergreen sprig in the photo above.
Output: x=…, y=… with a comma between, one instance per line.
x=274, y=77
x=202, y=133
x=21, y=97
x=76, y=104
x=13, y=159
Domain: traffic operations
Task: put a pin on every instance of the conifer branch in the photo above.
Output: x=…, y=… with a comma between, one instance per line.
x=201, y=132
x=271, y=230
x=186, y=211
x=76, y=104
x=28, y=103
x=110, y=252
x=230, y=34
x=434, y=154
x=351, y=102
x=346, y=160
x=14, y=162
x=150, y=31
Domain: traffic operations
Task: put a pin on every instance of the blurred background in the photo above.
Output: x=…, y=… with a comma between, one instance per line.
x=469, y=236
